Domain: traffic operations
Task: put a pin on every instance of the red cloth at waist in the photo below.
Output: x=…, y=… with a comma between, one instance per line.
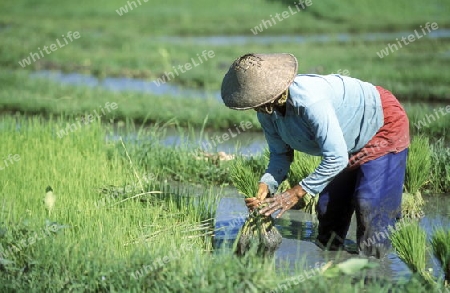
x=392, y=137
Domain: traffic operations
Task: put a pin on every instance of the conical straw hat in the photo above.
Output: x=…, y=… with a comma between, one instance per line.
x=256, y=79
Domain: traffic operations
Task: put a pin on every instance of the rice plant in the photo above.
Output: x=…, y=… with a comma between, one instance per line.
x=258, y=232
x=440, y=243
x=418, y=170
x=440, y=170
x=412, y=205
x=301, y=167
x=162, y=244
x=418, y=164
x=410, y=242
x=182, y=162
x=243, y=177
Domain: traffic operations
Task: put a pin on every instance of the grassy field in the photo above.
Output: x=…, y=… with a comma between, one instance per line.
x=113, y=45
x=42, y=97
x=140, y=219
x=124, y=223
x=128, y=46
x=132, y=241
x=125, y=46
x=414, y=72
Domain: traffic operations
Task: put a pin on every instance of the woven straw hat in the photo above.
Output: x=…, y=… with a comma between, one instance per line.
x=256, y=79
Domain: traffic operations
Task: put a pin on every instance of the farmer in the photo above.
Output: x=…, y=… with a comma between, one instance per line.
x=360, y=130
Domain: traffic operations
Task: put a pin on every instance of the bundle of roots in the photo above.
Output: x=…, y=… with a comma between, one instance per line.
x=258, y=234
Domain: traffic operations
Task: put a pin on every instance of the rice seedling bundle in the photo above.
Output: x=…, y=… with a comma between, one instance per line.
x=440, y=243
x=418, y=172
x=418, y=164
x=258, y=232
x=412, y=205
x=410, y=244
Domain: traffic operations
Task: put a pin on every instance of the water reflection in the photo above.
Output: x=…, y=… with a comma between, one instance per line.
x=251, y=143
x=297, y=225
x=124, y=84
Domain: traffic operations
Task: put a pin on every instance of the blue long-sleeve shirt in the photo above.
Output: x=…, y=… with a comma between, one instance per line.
x=329, y=116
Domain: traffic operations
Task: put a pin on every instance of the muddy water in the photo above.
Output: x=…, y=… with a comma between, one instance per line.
x=299, y=230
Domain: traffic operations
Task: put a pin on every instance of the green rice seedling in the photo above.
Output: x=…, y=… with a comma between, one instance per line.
x=258, y=232
x=310, y=203
x=440, y=170
x=301, y=167
x=243, y=177
x=418, y=164
x=158, y=245
x=440, y=243
x=418, y=170
x=183, y=162
x=410, y=242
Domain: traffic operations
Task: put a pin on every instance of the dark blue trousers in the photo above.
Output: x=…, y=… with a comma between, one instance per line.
x=374, y=192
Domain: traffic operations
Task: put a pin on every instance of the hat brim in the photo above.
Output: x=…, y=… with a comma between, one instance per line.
x=257, y=79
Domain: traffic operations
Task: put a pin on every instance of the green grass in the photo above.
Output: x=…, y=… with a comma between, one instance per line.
x=156, y=18
x=429, y=119
x=112, y=45
x=440, y=243
x=100, y=246
x=104, y=237
x=363, y=16
x=424, y=81
x=153, y=243
x=36, y=97
x=19, y=94
x=183, y=163
x=440, y=167
x=96, y=244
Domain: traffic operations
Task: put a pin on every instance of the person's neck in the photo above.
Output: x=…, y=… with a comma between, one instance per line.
x=281, y=109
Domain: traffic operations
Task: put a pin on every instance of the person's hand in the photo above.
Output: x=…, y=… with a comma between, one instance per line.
x=283, y=201
x=254, y=202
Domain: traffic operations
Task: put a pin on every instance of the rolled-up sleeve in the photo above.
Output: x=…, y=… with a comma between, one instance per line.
x=281, y=155
x=322, y=119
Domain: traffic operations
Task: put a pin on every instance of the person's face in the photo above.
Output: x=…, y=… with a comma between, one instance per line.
x=268, y=108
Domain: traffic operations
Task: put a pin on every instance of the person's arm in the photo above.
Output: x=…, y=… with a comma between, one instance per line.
x=281, y=155
x=329, y=137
